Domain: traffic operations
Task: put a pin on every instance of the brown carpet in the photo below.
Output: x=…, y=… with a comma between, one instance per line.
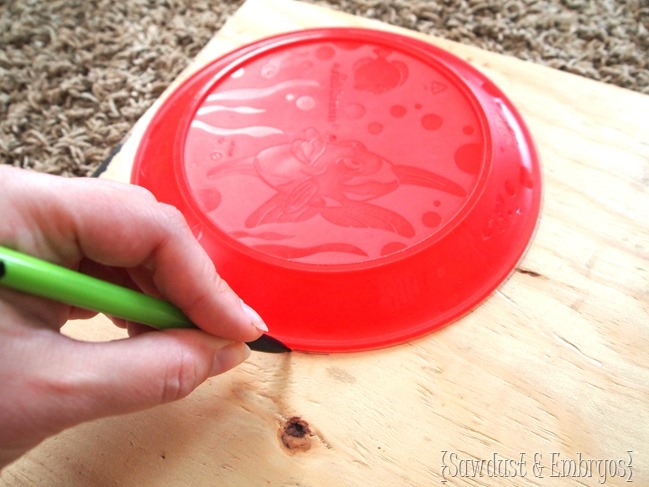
x=75, y=75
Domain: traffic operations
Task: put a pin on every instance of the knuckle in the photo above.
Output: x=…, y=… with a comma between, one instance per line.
x=213, y=284
x=181, y=378
x=114, y=189
x=172, y=215
x=220, y=285
x=142, y=192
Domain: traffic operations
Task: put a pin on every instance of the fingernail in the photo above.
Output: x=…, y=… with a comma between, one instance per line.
x=254, y=318
x=229, y=357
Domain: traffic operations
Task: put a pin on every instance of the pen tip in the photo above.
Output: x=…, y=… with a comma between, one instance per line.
x=268, y=344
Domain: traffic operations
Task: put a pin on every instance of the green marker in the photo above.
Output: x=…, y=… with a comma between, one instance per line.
x=40, y=278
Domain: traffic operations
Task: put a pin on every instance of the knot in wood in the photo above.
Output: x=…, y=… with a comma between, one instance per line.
x=296, y=435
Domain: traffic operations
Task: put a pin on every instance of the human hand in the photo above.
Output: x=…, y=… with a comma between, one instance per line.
x=119, y=233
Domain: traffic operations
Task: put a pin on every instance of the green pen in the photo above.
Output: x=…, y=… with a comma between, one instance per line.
x=37, y=277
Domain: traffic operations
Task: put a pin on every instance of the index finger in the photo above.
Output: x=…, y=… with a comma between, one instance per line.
x=121, y=225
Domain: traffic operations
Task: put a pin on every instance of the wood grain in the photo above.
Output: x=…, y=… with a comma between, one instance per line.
x=553, y=367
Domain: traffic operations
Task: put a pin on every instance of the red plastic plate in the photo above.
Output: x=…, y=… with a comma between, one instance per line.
x=358, y=188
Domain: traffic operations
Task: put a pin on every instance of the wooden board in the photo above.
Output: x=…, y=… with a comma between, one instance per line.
x=552, y=369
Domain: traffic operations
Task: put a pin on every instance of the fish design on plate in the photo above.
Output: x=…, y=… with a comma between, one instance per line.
x=334, y=179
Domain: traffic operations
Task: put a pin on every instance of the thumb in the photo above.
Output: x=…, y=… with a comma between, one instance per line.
x=70, y=382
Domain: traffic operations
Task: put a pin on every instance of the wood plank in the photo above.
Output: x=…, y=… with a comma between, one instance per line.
x=553, y=366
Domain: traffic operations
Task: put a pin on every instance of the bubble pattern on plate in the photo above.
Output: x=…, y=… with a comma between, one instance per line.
x=350, y=151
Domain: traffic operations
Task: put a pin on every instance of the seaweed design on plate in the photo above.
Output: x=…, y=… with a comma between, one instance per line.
x=261, y=235
x=336, y=180
x=291, y=252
